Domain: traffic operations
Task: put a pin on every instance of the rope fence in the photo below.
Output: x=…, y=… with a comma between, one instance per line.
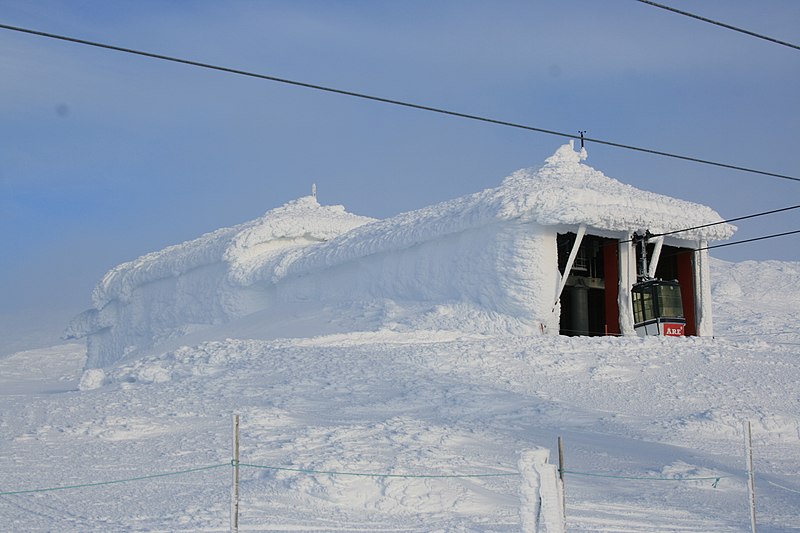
x=235, y=465
x=715, y=478
x=782, y=487
x=111, y=482
x=363, y=474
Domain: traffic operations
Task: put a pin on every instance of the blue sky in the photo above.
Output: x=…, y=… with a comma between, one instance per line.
x=106, y=156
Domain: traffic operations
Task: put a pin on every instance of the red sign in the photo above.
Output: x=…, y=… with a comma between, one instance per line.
x=673, y=330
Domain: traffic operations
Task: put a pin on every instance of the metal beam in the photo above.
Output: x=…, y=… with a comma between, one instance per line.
x=570, y=261
x=659, y=243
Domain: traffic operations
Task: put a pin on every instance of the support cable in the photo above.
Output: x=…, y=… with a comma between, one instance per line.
x=734, y=243
x=392, y=101
x=727, y=221
x=721, y=24
x=748, y=240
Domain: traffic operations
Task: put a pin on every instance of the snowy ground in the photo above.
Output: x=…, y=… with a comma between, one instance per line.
x=368, y=389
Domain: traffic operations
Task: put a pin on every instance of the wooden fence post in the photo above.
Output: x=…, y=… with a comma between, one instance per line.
x=235, y=464
x=751, y=476
x=561, y=478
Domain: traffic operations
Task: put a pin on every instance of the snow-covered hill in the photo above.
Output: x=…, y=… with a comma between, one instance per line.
x=373, y=361
x=370, y=388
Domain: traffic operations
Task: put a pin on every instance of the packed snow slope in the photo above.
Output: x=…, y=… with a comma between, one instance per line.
x=492, y=251
x=378, y=388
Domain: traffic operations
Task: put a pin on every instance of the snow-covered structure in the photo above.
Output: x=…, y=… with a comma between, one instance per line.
x=503, y=251
x=209, y=280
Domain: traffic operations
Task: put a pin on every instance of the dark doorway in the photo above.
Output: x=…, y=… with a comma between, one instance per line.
x=589, y=301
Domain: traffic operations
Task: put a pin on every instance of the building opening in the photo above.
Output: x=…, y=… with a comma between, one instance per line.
x=589, y=301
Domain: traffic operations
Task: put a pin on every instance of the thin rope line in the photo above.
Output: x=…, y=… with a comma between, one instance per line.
x=139, y=478
x=756, y=334
x=392, y=101
x=784, y=488
x=721, y=24
x=363, y=474
x=715, y=478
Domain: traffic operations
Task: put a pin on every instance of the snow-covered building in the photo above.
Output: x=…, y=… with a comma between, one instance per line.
x=502, y=252
x=206, y=281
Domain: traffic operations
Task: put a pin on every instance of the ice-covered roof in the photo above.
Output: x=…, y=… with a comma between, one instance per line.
x=565, y=191
x=243, y=248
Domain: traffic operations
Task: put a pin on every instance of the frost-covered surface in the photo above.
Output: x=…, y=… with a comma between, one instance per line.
x=202, y=282
x=567, y=191
x=541, y=500
x=379, y=389
x=492, y=252
x=564, y=191
x=243, y=247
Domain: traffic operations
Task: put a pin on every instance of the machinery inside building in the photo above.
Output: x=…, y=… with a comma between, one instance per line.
x=589, y=302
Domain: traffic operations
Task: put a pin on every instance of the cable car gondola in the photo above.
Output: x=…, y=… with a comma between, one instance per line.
x=657, y=308
x=657, y=304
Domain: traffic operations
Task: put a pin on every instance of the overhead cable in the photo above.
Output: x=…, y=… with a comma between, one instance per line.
x=748, y=240
x=728, y=221
x=721, y=24
x=392, y=101
x=736, y=219
x=681, y=251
